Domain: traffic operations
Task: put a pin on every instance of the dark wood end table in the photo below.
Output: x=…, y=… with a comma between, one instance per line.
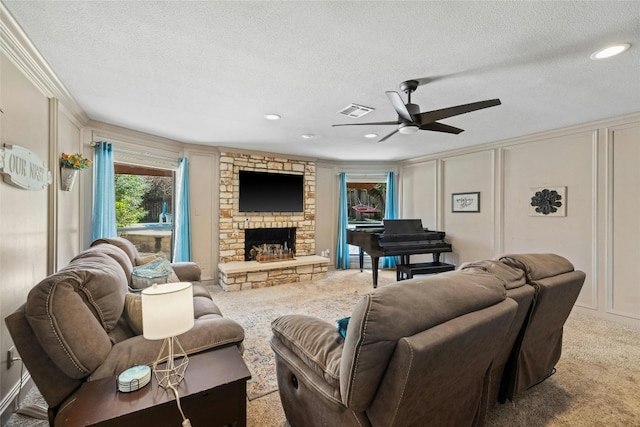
x=213, y=393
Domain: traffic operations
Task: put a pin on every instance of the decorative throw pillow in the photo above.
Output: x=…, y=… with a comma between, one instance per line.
x=342, y=326
x=133, y=312
x=157, y=271
x=147, y=259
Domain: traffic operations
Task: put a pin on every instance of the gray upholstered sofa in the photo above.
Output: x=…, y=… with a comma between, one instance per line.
x=432, y=351
x=80, y=323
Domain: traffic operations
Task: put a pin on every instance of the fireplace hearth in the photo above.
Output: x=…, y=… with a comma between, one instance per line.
x=269, y=244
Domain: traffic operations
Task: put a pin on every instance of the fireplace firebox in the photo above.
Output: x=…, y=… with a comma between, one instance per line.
x=274, y=243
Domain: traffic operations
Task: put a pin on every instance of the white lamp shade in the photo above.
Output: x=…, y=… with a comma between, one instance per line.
x=167, y=310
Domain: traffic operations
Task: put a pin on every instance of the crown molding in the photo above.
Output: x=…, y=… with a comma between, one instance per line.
x=622, y=120
x=21, y=51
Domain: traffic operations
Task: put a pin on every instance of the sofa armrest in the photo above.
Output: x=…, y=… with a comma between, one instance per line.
x=317, y=343
x=206, y=334
x=187, y=271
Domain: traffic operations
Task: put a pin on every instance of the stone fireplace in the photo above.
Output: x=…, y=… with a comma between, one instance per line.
x=279, y=242
x=236, y=270
x=234, y=223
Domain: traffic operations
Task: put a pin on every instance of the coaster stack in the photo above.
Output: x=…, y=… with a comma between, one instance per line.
x=134, y=378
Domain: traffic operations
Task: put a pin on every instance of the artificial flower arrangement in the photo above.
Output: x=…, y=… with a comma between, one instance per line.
x=74, y=161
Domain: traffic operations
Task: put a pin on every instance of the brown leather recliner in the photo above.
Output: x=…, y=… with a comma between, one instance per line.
x=74, y=326
x=430, y=351
x=517, y=289
x=557, y=286
x=418, y=353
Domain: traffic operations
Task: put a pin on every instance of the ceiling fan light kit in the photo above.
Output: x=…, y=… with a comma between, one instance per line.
x=410, y=119
x=408, y=128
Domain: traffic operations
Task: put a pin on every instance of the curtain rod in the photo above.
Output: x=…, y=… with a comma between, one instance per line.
x=125, y=151
x=366, y=174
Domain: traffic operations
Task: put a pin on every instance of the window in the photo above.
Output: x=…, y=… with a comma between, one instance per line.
x=144, y=207
x=366, y=201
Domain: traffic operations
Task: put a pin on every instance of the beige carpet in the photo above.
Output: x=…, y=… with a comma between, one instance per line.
x=329, y=299
x=597, y=381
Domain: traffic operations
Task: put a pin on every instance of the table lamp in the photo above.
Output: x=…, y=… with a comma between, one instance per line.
x=167, y=311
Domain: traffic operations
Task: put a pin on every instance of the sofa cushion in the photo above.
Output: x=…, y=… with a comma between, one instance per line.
x=510, y=277
x=538, y=266
x=122, y=243
x=133, y=312
x=187, y=271
x=114, y=252
x=316, y=342
x=72, y=311
x=204, y=306
x=387, y=314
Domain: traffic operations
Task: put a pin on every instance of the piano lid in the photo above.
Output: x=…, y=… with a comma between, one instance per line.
x=403, y=226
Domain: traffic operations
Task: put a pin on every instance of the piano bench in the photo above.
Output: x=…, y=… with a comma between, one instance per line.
x=421, y=268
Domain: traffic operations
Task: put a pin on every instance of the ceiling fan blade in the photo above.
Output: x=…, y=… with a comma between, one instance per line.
x=441, y=127
x=370, y=124
x=398, y=105
x=389, y=136
x=432, y=116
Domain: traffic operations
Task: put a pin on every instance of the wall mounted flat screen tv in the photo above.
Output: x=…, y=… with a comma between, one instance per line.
x=270, y=192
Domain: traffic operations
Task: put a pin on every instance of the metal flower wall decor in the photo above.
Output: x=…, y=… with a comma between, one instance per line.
x=548, y=201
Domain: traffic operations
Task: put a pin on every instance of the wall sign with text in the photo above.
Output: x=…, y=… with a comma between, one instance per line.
x=465, y=202
x=23, y=169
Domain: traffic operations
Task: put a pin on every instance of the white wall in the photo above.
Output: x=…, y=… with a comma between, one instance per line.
x=422, y=180
x=563, y=161
x=23, y=228
x=470, y=233
x=326, y=209
x=67, y=211
x=598, y=163
x=621, y=293
x=37, y=228
x=203, y=180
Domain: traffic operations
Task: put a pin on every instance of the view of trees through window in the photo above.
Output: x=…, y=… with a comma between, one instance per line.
x=366, y=201
x=144, y=205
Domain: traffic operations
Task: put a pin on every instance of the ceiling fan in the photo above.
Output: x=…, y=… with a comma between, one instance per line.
x=410, y=119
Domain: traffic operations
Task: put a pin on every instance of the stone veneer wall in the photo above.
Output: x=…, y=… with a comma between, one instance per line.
x=233, y=223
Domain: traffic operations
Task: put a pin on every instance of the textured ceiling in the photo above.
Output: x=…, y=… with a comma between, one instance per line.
x=207, y=72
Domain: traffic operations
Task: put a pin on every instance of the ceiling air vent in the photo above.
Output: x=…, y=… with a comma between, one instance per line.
x=355, y=110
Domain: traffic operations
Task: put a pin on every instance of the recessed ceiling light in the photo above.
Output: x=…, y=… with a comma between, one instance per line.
x=610, y=51
x=308, y=136
x=272, y=116
x=370, y=135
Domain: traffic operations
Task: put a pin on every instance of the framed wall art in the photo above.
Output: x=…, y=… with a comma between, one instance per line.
x=548, y=201
x=465, y=202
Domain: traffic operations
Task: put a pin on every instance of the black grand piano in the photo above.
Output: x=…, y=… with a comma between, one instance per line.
x=402, y=238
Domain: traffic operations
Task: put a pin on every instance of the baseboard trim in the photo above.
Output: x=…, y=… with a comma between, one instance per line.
x=10, y=398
